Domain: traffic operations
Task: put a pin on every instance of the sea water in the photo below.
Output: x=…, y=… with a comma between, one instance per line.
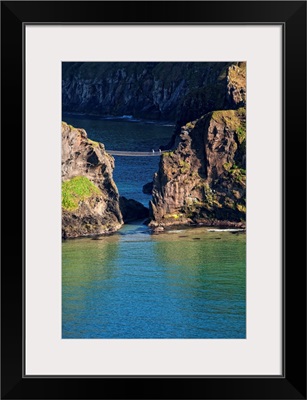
x=184, y=283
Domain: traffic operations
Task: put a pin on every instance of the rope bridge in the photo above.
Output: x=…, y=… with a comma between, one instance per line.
x=135, y=153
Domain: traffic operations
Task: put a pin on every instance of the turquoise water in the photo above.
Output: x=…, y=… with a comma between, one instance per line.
x=188, y=283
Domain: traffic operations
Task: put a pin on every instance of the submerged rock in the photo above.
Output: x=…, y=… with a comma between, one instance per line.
x=90, y=199
x=132, y=210
x=147, y=188
x=157, y=229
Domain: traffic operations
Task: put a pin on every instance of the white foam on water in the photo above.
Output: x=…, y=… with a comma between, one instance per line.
x=225, y=230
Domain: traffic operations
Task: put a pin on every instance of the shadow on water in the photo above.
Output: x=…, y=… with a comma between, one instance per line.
x=137, y=285
x=88, y=267
x=207, y=278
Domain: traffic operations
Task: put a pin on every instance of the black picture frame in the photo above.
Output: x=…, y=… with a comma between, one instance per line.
x=14, y=16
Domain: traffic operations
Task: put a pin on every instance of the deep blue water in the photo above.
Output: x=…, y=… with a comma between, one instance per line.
x=130, y=173
x=187, y=283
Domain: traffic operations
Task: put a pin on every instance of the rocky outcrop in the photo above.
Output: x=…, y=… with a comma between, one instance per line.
x=90, y=199
x=227, y=91
x=132, y=210
x=147, y=188
x=203, y=181
x=175, y=91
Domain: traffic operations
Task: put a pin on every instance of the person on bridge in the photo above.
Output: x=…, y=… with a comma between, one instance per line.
x=153, y=150
x=160, y=151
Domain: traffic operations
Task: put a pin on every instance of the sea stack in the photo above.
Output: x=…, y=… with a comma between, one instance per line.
x=203, y=181
x=90, y=199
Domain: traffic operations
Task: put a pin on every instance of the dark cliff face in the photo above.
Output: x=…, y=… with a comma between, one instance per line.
x=226, y=91
x=166, y=90
x=90, y=199
x=203, y=181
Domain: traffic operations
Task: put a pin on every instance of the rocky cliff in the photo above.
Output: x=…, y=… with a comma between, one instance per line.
x=90, y=199
x=227, y=91
x=203, y=181
x=155, y=90
x=132, y=210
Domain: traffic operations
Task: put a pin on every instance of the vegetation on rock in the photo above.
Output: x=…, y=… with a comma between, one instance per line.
x=173, y=91
x=204, y=178
x=75, y=190
x=201, y=179
x=90, y=199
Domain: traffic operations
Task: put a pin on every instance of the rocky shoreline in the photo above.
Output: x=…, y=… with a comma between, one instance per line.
x=156, y=228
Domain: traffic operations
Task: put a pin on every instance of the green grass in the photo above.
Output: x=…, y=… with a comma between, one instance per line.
x=93, y=143
x=238, y=174
x=241, y=130
x=172, y=216
x=234, y=120
x=189, y=125
x=228, y=117
x=227, y=166
x=75, y=190
x=242, y=112
x=241, y=133
x=241, y=208
x=69, y=126
x=168, y=153
x=184, y=167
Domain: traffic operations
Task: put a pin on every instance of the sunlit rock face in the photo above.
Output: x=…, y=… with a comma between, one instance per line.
x=90, y=199
x=203, y=181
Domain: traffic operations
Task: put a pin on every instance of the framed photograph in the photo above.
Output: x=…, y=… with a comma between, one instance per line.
x=161, y=163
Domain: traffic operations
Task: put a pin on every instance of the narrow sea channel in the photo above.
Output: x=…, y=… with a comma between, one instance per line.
x=188, y=283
